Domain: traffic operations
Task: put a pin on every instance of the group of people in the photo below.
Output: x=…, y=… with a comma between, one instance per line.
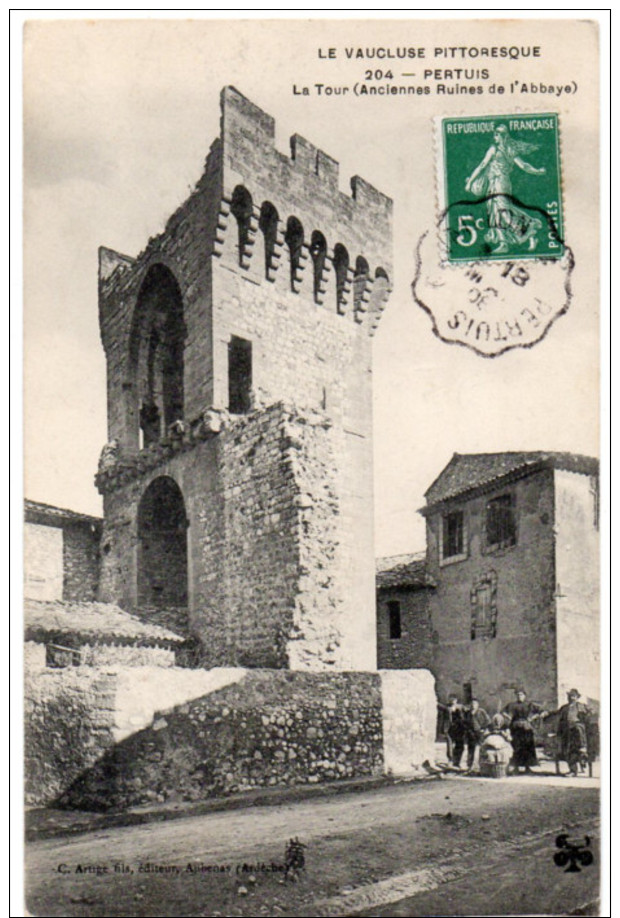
x=463, y=725
x=467, y=725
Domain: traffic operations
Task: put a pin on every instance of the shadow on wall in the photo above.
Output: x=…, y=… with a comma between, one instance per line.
x=271, y=728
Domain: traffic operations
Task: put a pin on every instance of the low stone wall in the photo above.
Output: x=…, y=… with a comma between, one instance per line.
x=141, y=693
x=409, y=707
x=69, y=723
x=101, y=739
x=271, y=728
x=75, y=715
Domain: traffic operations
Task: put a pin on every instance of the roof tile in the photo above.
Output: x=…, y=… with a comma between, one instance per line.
x=474, y=470
x=96, y=619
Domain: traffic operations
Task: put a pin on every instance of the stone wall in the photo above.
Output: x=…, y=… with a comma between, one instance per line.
x=409, y=707
x=68, y=726
x=43, y=561
x=268, y=566
x=61, y=561
x=74, y=716
x=183, y=249
x=80, y=556
x=414, y=647
x=271, y=728
x=104, y=738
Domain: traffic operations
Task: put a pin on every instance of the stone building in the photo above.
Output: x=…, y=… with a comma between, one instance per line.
x=61, y=553
x=404, y=637
x=237, y=480
x=512, y=548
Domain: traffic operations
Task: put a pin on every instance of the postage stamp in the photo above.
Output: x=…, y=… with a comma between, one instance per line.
x=499, y=181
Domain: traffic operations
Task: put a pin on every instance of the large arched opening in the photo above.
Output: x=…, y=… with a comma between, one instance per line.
x=156, y=354
x=162, y=546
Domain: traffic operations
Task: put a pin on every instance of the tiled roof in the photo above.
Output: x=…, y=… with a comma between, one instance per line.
x=403, y=571
x=105, y=622
x=476, y=470
x=37, y=512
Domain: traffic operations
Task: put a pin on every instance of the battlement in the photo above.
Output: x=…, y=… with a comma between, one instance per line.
x=241, y=116
x=284, y=219
x=303, y=184
x=242, y=122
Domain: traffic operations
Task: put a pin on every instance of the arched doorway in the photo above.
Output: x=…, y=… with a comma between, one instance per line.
x=162, y=546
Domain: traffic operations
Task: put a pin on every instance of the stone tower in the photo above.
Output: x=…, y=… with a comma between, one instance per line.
x=237, y=480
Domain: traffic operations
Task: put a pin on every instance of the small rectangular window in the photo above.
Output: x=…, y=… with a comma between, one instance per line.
x=501, y=525
x=395, y=623
x=453, y=541
x=239, y=375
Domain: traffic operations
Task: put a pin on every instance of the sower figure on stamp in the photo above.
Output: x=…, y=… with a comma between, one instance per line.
x=520, y=714
x=476, y=722
x=454, y=729
x=491, y=179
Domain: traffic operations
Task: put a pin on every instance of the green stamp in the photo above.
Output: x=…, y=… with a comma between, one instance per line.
x=501, y=185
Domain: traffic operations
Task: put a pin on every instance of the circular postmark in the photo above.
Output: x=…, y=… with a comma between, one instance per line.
x=491, y=306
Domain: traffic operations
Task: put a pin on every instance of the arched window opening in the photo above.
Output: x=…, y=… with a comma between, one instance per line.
x=378, y=297
x=341, y=267
x=381, y=285
x=360, y=282
x=294, y=239
x=318, y=251
x=241, y=209
x=268, y=225
x=156, y=354
x=162, y=546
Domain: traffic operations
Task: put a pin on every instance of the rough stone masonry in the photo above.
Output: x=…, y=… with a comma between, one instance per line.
x=237, y=479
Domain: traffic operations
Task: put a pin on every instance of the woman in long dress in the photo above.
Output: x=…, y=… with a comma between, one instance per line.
x=519, y=714
x=508, y=223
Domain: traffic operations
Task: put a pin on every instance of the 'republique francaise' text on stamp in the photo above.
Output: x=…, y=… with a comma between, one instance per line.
x=500, y=184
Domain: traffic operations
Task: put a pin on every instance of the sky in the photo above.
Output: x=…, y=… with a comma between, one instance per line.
x=118, y=120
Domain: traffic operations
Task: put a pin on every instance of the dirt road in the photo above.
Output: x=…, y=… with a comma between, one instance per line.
x=230, y=863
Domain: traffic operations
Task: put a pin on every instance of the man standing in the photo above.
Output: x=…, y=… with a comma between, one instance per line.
x=572, y=721
x=476, y=722
x=454, y=729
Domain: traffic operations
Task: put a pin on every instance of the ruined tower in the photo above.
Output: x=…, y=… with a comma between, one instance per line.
x=237, y=480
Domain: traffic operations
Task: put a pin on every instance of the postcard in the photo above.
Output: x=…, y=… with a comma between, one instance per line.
x=312, y=489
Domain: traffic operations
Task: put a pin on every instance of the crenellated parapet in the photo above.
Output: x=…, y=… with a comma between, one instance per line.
x=285, y=220
x=281, y=252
